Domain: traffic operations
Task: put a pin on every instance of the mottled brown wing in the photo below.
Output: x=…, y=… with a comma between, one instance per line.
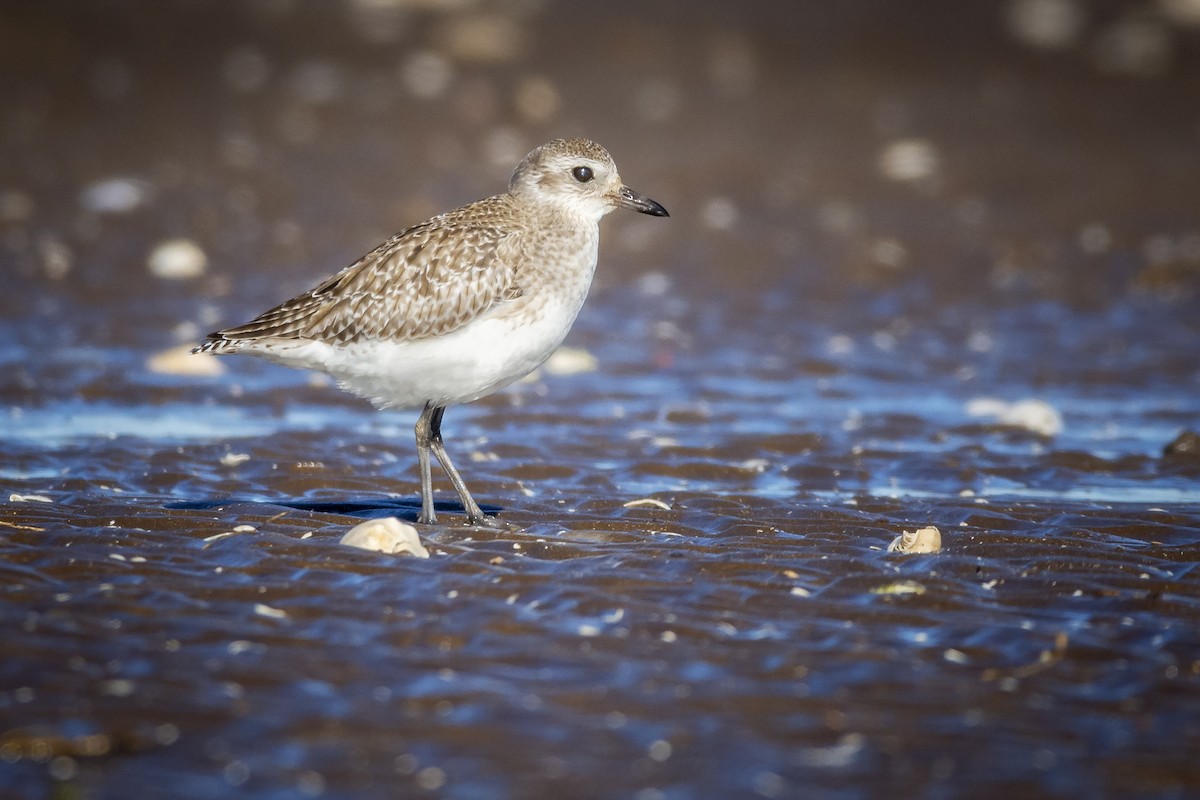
x=425, y=281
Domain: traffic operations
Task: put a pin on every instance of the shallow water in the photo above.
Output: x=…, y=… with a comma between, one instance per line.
x=810, y=357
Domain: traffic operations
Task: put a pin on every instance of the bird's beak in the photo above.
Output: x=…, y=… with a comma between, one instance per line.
x=628, y=198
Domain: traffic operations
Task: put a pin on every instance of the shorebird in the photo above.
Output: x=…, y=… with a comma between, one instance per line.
x=459, y=306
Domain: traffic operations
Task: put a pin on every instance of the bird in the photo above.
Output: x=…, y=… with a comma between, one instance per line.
x=457, y=307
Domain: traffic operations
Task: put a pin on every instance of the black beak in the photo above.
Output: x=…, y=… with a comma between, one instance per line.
x=628, y=198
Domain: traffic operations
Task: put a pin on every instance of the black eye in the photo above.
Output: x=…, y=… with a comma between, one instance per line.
x=583, y=174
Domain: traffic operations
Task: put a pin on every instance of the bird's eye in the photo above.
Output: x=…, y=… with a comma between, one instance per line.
x=583, y=174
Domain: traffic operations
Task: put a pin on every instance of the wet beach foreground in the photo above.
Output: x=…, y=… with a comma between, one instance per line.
x=931, y=267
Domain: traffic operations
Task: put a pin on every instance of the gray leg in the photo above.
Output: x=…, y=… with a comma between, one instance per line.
x=424, y=439
x=474, y=514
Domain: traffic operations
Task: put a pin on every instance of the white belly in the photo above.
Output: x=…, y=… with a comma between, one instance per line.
x=464, y=365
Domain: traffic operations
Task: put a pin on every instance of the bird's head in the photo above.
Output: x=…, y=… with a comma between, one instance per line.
x=578, y=176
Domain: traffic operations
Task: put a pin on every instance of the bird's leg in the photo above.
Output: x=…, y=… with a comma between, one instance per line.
x=424, y=440
x=474, y=514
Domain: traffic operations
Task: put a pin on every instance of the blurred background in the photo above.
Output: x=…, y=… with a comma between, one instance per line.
x=928, y=263
x=1007, y=150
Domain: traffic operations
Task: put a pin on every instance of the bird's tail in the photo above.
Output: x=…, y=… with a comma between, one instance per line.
x=217, y=344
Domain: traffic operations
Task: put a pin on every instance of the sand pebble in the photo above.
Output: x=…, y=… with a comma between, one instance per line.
x=1185, y=445
x=1036, y=416
x=647, y=502
x=117, y=195
x=571, y=361
x=177, y=259
x=909, y=160
x=924, y=540
x=899, y=587
x=234, y=459
x=117, y=687
x=28, y=498
x=264, y=610
x=955, y=656
x=386, y=535
x=180, y=360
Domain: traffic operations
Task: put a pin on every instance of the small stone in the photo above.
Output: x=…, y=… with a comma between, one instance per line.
x=924, y=540
x=955, y=656
x=1036, y=416
x=900, y=587
x=571, y=361
x=28, y=498
x=909, y=160
x=386, y=535
x=177, y=259
x=117, y=687
x=1185, y=445
x=647, y=502
x=181, y=361
x=118, y=195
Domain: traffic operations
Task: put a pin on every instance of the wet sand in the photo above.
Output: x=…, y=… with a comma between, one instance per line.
x=924, y=267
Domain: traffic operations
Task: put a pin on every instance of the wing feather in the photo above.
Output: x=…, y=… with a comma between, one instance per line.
x=425, y=281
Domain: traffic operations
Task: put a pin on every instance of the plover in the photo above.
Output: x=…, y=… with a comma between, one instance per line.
x=459, y=306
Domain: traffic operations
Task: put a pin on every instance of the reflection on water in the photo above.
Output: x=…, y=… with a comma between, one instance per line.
x=935, y=267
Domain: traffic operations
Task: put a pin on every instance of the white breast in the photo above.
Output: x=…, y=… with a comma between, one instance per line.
x=488, y=353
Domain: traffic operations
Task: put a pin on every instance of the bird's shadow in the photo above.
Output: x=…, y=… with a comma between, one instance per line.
x=367, y=508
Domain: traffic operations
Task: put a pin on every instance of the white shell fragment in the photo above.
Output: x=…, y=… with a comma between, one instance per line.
x=925, y=540
x=571, y=361
x=647, y=502
x=900, y=587
x=264, y=610
x=116, y=195
x=1033, y=415
x=181, y=361
x=177, y=259
x=386, y=535
x=28, y=498
x=909, y=160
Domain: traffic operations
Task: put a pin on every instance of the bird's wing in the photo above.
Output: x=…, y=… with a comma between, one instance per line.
x=424, y=281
